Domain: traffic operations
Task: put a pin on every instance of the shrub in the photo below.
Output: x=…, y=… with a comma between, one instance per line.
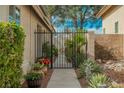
x=80, y=57
x=81, y=71
x=73, y=47
x=11, y=53
x=88, y=67
x=95, y=68
x=47, y=52
x=54, y=50
x=46, y=49
x=69, y=54
x=99, y=80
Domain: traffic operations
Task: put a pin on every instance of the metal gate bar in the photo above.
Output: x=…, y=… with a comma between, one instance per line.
x=58, y=40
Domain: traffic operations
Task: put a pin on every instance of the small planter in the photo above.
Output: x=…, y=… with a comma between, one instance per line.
x=34, y=83
x=34, y=79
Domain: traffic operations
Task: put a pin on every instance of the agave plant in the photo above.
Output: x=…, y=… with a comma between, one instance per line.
x=89, y=67
x=99, y=81
x=95, y=68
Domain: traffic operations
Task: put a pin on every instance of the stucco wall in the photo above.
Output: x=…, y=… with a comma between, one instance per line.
x=112, y=16
x=109, y=47
x=90, y=45
x=4, y=12
x=29, y=21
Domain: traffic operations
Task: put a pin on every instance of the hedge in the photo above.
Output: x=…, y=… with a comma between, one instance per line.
x=11, y=54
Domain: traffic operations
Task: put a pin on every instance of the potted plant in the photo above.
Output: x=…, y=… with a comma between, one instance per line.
x=46, y=62
x=38, y=66
x=34, y=79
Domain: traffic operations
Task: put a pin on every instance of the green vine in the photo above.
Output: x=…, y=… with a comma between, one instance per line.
x=11, y=54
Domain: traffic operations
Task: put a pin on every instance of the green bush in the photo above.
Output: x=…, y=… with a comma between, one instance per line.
x=99, y=80
x=89, y=66
x=47, y=52
x=54, y=50
x=81, y=71
x=11, y=54
x=68, y=54
x=72, y=50
x=80, y=57
x=46, y=49
x=95, y=68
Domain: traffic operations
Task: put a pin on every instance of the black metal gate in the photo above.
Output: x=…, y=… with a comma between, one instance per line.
x=64, y=49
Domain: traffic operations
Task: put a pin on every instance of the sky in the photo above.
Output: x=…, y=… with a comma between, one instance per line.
x=88, y=25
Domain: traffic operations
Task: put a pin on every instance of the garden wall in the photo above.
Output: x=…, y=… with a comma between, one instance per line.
x=90, y=45
x=109, y=47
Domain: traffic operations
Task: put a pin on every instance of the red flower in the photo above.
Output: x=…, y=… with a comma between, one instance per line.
x=45, y=61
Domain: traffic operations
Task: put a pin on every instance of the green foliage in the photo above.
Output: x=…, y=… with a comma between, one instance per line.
x=69, y=54
x=81, y=71
x=95, y=68
x=33, y=76
x=46, y=49
x=68, y=43
x=92, y=66
x=72, y=50
x=54, y=50
x=80, y=13
x=98, y=80
x=11, y=54
x=37, y=66
x=79, y=38
x=80, y=57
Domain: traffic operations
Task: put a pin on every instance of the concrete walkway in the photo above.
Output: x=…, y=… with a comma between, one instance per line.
x=64, y=78
x=61, y=61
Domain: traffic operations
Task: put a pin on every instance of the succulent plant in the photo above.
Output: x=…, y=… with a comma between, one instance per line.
x=99, y=81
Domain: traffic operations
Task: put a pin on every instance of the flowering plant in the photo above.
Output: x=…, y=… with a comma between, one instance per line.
x=45, y=61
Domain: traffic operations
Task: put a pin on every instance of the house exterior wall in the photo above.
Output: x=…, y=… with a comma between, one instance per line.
x=29, y=21
x=114, y=14
x=4, y=13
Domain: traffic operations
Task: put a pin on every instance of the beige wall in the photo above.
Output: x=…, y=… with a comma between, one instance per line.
x=90, y=45
x=113, y=15
x=4, y=13
x=29, y=21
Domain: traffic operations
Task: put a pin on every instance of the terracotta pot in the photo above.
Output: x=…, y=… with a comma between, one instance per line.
x=45, y=70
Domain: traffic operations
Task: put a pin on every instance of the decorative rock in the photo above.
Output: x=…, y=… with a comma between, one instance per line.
x=103, y=86
x=99, y=61
x=116, y=66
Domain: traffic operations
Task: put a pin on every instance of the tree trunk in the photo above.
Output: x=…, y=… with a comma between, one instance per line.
x=75, y=22
x=82, y=17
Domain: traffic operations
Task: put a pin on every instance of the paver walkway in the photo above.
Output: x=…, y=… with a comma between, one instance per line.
x=64, y=78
